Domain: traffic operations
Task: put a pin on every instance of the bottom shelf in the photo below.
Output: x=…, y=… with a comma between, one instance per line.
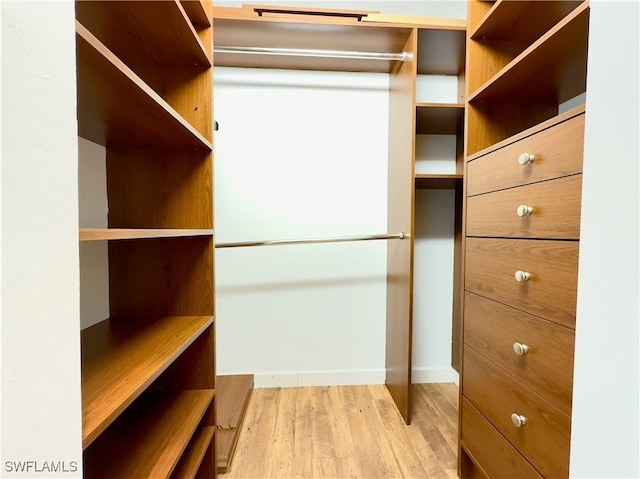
x=192, y=458
x=231, y=402
x=149, y=438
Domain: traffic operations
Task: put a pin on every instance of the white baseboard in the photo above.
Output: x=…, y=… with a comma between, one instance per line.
x=435, y=375
x=286, y=379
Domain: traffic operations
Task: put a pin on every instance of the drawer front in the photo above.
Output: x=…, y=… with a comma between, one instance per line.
x=550, y=292
x=558, y=152
x=546, y=366
x=488, y=448
x=554, y=214
x=545, y=437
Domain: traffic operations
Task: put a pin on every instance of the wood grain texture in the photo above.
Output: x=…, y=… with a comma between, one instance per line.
x=161, y=277
x=400, y=206
x=110, y=234
x=544, y=440
x=489, y=449
x=547, y=368
x=198, y=12
x=489, y=123
x=441, y=51
x=120, y=358
x=347, y=431
x=105, y=84
x=153, y=188
x=553, y=68
x=161, y=31
x=308, y=33
x=525, y=21
x=553, y=265
x=437, y=182
x=233, y=393
x=558, y=151
x=191, y=460
x=149, y=439
x=556, y=211
x=439, y=118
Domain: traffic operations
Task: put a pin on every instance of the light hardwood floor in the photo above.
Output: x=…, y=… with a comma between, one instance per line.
x=347, y=432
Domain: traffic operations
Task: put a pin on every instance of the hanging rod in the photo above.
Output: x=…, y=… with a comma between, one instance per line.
x=338, y=239
x=298, y=52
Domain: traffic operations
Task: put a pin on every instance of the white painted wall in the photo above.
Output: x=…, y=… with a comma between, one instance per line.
x=605, y=439
x=427, y=8
x=299, y=155
x=40, y=410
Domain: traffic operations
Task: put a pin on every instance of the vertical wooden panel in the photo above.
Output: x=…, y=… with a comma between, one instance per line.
x=400, y=218
x=152, y=188
x=168, y=277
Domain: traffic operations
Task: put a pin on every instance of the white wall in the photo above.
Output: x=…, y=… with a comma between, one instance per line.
x=41, y=418
x=301, y=155
x=427, y=8
x=605, y=439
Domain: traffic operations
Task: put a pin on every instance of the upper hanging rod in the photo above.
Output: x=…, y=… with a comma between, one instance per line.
x=299, y=52
x=338, y=239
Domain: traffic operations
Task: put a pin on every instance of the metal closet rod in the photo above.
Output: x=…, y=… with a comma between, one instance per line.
x=299, y=52
x=338, y=239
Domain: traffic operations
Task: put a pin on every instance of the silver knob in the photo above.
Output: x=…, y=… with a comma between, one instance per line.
x=518, y=420
x=524, y=210
x=520, y=349
x=522, y=276
x=526, y=158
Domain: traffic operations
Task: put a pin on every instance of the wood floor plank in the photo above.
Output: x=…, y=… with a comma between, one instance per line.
x=341, y=432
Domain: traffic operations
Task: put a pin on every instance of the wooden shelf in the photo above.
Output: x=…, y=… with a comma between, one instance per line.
x=110, y=234
x=150, y=437
x=232, y=401
x=120, y=358
x=439, y=118
x=191, y=460
x=161, y=31
x=437, y=182
x=232, y=27
x=197, y=13
x=522, y=21
x=117, y=108
x=553, y=69
x=441, y=51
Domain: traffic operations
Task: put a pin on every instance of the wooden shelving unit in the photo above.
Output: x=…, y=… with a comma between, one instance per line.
x=158, y=428
x=425, y=181
x=439, y=118
x=144, y=87
x=524, y=146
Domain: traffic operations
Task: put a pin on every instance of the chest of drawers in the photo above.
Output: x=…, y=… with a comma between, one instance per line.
x=521, y=262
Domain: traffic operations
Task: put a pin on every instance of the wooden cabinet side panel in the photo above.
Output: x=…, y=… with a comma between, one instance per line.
x=400, y=219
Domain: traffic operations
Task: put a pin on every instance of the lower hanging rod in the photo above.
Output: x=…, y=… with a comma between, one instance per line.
x=298, y=52
x=338, y=239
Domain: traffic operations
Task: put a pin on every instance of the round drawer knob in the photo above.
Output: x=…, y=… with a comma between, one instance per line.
x=522, y=276
x=524, y=210
x=520, y=349
x=518, y=420
x=526, y=158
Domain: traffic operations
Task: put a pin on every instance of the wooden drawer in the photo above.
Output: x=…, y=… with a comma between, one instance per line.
x=487, y=447
x=547, y=367
x=545, y=438
x=558, y=152
x=491, y=265
x=555, y=211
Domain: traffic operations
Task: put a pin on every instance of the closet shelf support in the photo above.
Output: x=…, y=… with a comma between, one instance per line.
x=338, y=239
